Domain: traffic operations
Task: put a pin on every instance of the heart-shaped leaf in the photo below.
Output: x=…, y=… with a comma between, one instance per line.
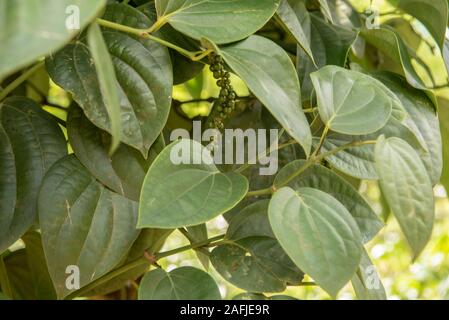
x=144, y=79
x=176, y=192
x=407, y=188
x=321, y=178
x=350, y=102
x=270, y=74
x=219, y=21
x=185, y=283
x=256, y=264
x=319, y=235
x=122, y=172
x=41, y=27
x=30, y=142
x=83, y=224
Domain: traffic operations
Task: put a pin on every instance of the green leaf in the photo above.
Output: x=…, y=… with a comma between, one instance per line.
x=319, y=235
x=359, y=161
x=40, y=27
x=144, y=79
x=422, y=120
x=321, y=178
x=252, y=221
x=291, y=15
x=185, y=283
x=256, y=264
x=407, y=188
x=149, y=240
x=270, y=74
x=325, y=9
x=366, y=282
x=124, y=171
x=43, y=286
x=431, y=13
x=30, y=142
x=219, y=21
x=350, y=102
x=390, y=43
x=198, y=234
x=83, y=224
x=3, y=296
x=185, y=69
x=330, y=46
x=187, y=194
x=444, y=121
x=107, y=80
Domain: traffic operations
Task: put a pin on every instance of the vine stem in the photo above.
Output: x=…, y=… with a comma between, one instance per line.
x=145, y=33
x=138, y=263
x=311, y=161
x=322, y=139
x=4, y=279
x=22, y=78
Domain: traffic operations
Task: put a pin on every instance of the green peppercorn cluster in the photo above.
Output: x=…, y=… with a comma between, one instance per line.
x=225, y=103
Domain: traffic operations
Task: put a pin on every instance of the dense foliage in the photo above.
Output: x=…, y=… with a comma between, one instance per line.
x=91, y=188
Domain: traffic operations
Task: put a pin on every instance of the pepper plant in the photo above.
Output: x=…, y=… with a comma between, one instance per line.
x=92, y=191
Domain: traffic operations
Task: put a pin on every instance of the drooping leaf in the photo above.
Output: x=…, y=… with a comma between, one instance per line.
x=43, y=286
x=407, y=188
x=122, y=172
x=444, y=122
x=150, y=241
x=144, y=79
x=431, y=13
x=290, y=16
x=252, y=221
x=177, y=192
x=219, y=21
x=422, y=120
x=19, y=276
x=325, y=9
x=350, y=102
x=390, y=43
x=107, y=80
x=197, y=234
x=185, y=283
x=366, y=282
x=83, y=224
x=30, y=142
x=39, y=26
x=359, y=161
x=270, y=74
x=319, y=235
x=184, y=68
x=321, y=178
x=330, y=45
x=256, y=264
